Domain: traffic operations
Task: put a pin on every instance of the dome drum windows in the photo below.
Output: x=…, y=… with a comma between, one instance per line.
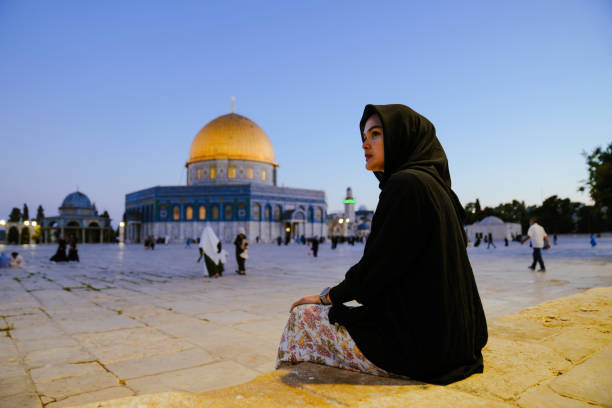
x=231, y=172
x=176, y=212
x=228, y=211
x=189, y=213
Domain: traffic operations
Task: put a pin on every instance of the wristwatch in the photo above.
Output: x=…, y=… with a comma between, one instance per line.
x=323, y=297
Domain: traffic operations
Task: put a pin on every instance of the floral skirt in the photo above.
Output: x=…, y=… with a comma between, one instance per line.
x=309, y=336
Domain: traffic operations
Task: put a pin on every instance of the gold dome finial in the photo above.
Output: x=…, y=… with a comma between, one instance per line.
x=233, y=104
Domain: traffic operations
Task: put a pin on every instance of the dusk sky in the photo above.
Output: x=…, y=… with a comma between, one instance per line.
x=108, y=96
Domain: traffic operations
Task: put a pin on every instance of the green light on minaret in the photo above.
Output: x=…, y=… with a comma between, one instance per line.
x=349, y=201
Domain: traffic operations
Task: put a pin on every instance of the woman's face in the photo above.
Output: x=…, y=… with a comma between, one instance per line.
x=373, y=144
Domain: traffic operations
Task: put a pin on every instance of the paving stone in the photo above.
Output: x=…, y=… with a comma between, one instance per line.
x=19, y=384
x=46, y=343
x=100, y=395
x=60, y=371
x=65, y=387
x=590, y=381
x=578, y=343
x=543, y=397
x=26, y=400
x=98, y=324
x=160, y=363
x=195, y=380
x=36, y=332
x=43, y=357
x=503, y=359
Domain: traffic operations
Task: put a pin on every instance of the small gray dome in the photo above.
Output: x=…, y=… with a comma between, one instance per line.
x=491, y=220
x=76, y=200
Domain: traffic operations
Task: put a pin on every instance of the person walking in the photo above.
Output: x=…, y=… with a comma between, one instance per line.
x=210, y=249
x=60, y=254
x=73, y=254
x=538, y=237
x=419, y=312
x=242, y=245
x=490, y=241
x=315, y=246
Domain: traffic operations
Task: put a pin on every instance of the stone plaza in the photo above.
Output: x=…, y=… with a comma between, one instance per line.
x=126, y=321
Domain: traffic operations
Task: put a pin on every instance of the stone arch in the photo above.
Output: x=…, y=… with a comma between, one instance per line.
x=25, y=236
x=13, y=236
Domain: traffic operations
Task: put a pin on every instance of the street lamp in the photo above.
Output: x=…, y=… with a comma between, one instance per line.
x=340, y=221
x=34, y=223
x=287, y=229
x=26, y=223
x=2, y=222
x=122, y=224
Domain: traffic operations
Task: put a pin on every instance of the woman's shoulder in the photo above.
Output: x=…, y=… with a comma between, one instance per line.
x=405, y=180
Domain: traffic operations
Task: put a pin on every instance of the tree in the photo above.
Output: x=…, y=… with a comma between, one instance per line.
x=557, y=215
x=25, y=214
x=599, y=183
x=15, y=215
x=591, y=219
x=40, y=215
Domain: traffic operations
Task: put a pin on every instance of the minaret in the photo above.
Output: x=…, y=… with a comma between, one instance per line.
x=349, y=206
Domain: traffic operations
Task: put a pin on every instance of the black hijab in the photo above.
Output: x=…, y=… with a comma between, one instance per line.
x=410, y=143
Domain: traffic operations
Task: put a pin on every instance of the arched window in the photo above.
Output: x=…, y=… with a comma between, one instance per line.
x=263, y=174
x=241, y=211
x=267, y=214
x=277, y=213
x=250, y=173
x=231, y=172
x=215, y=211
x=163, y=212
x=213, y=172
x=199, y=174
x=319, y=214
x=310, y=214
x=256, y=211
x=176, y=213
x=228, y=211
x=189, y=213
x=202, y=212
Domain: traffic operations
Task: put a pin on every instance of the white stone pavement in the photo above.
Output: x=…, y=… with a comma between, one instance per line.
x=126, y=321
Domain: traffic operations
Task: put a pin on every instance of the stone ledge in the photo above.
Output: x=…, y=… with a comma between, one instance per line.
x=555, y=354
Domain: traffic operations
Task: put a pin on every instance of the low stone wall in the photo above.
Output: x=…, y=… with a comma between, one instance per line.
x=557, y=354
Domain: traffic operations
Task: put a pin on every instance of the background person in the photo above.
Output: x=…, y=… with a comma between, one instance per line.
x=538, y=236
x=242, y=245
x=16, y=260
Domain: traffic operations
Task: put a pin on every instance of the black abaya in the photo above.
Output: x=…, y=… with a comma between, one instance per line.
x=420, y=314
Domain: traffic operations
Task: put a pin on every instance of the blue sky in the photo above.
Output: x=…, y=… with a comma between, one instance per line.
x=108, y=96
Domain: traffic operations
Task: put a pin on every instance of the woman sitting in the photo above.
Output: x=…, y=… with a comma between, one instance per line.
x=420, y=313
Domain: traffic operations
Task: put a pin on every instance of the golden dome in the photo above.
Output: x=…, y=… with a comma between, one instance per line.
x=231, y=136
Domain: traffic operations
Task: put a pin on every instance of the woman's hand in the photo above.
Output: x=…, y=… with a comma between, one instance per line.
x=306, y=300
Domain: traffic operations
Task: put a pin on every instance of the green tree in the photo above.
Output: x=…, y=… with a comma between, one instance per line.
x=40, y=214
x=591, y=219
x=15, y=215
x=599, y=183
x=556, y=214
x=25, y=214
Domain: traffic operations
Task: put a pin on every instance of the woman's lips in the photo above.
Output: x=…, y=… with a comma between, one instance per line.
x=368, y=156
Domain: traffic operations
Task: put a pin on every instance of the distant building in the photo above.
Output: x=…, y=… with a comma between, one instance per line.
x=350, y=222
x=78, y=217
x=494, y=225
x=231, y=183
